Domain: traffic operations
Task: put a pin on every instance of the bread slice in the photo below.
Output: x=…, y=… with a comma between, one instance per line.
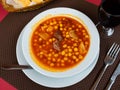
x=23, y=5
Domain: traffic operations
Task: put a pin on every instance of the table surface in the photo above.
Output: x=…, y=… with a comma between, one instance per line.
x=13, y=24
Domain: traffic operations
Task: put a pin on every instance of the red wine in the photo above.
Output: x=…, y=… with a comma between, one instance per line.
x=109, y=13
x=112, y=6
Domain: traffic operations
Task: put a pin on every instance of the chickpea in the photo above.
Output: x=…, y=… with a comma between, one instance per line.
x=36, y=33
x=58, y=60
x=52, y=64
x=72, y=39
x=50, y=40
x=65, y=29
x=80, y=57
x=35, y=40
x=56, y=27
x=49, y=54
x=79, y=26
x=50, y=29
x=45, y=24
x=62, y=61
x=54, y=22
x=40, y=47
x=61, y=29
x=51, y=23
x=86, y=43
x=61, y=25
x=75, y=44
x=40, y=39
x=63, y=52
x=69, y=61
x=53, y=39
x=51, y=50
x=70, y=28
x=77, y=60
x=86, y=36
x=74, y=57
x=70, y=50
x=77, y=29
x=66, y=55
x=73, y=26
x=83, y=31
x=54, y=60
x=62, y=64
x=65, y=45
x=67, y=33
x=65, y=58
x=76, y=53
x=41, y=56
x=80, y=40
x=69, y=54
x=67, y=36
x=41, y=53
x=49, y=58
x=68, y=47
x=47, y=43
x=75, y=49
x=63, y=19
x=55, y=55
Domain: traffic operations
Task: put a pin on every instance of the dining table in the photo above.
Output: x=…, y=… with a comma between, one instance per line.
x=14, y=22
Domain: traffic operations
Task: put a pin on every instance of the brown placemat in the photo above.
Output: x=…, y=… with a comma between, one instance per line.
x=13, y=24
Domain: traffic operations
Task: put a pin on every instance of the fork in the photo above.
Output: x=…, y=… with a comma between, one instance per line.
x=109, y=60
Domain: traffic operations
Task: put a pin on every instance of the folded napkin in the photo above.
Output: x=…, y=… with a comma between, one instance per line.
x=5, y=85
x=96, y=2
x=3, y=13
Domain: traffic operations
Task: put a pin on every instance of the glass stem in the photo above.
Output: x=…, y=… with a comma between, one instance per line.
x=97, y=24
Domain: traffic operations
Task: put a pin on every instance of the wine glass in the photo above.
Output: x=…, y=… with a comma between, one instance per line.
x=109, y=16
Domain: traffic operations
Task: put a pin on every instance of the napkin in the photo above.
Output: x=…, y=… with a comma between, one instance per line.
x=96, y=2
x=5, y=85
x=3, y=13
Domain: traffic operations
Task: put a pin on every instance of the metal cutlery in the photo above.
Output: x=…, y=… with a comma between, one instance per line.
x=109, y=60
x=15, y=67
x=113, y=77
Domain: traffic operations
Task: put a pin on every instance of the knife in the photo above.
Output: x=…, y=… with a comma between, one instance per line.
x=113, y=77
